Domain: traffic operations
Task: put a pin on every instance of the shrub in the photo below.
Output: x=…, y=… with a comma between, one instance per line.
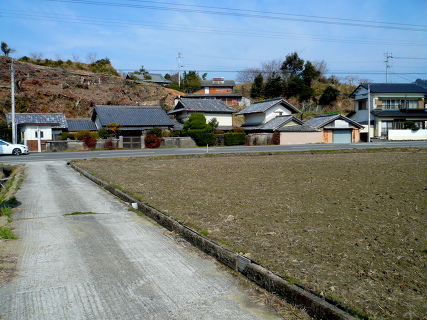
x=235, y=138
x=276, y=138
x=103, y=133
x=201, y=137
x=155, y=132
x=109, y=145
x=81, y=134
x=217, y=131
x=64, y=135
x=89, y=141
x=152, y=141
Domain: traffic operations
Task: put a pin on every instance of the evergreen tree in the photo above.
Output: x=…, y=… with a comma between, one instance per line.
x=297, y=88
x=292, y=66
x=191, y=81
x=257, y=90
x=310, y=73
x=274, y=86
x=329, y=96
x=6, y=49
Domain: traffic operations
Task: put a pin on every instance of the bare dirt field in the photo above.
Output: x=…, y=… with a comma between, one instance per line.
x=348, y=225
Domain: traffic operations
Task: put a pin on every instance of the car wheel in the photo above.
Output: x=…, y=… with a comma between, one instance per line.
x=16, y=152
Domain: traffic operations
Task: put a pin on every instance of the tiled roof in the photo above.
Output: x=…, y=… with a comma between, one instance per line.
x=136, y=117
x=155, y=77
x=222, y=83
x=81, y=124
x=263, y=106
x=204, y=95
x=202, y=105
x=323, y=120
x=298, y=128
x=273, y=124
x=400, y=113
x=40, y=118
x=392, y=88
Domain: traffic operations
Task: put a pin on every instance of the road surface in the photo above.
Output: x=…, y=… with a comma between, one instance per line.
x=110, y=264
x=67, y=156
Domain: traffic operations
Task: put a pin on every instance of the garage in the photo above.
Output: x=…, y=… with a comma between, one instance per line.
x=341, y=136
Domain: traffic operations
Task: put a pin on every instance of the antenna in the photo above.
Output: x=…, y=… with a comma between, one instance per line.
x=387, y=55
x=179, y=68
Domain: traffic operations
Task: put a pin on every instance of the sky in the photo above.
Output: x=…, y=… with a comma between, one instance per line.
x=220, y=38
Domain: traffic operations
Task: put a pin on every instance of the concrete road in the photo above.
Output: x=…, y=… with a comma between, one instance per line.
x=108, y=265
x=67, y=156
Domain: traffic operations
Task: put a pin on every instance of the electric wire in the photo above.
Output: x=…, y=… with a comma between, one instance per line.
x=238, y=12
x=112, y=22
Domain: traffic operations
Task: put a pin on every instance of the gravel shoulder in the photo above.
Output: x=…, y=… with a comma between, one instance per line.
x=109, y=264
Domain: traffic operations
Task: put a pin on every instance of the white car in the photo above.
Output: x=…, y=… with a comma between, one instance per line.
x=10, y=148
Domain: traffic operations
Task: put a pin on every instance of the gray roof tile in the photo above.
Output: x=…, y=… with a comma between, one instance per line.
x=81, y=124
x=273, y=124
x=40, y=118
x=202, y=105
x=323, y=120
x=137, y=117
x=391, y=88
x=263, y=106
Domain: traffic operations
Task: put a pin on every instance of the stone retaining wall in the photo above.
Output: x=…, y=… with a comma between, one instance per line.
x=315, y=305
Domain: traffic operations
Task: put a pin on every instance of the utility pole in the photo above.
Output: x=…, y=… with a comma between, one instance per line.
x=12, y=85
x=387, y=56
x=179, y=69
x=369, y=113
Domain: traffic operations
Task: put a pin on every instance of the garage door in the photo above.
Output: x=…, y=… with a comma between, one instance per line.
x=342, y=136
x=132, y=142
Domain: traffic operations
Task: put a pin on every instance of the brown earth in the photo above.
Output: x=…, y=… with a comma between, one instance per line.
x=350, y=226
x=73, y=92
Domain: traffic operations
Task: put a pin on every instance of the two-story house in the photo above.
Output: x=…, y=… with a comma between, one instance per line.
x=219, y=89
x=387, y=106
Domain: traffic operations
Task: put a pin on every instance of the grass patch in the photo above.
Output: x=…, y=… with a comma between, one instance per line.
x=348, y=224
x=7, y=233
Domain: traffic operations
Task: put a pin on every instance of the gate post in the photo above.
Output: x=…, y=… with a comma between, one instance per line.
x=143, y=141
x=120, y=146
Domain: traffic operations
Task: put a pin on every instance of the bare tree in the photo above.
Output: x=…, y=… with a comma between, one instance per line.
x=58, y=57
x=76, y=57
x=268, y=68
x=91, y=57
x=36, y=55
x=247, y=75
x=321, y=66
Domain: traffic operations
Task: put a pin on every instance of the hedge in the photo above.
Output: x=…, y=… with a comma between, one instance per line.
x=235, y=138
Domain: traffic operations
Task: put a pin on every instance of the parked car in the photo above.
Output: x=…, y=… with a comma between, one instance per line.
x=10, y=148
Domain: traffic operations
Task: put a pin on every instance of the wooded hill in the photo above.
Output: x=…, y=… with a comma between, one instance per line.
x=74, y=92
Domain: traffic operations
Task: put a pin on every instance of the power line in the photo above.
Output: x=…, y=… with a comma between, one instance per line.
x=238, y=12
x=111, y=22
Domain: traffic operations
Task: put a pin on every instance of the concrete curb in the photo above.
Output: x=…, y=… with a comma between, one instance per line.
x=315, y=305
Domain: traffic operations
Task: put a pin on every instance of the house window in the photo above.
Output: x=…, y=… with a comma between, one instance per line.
x=362, y=105
x=394, y=104
x=41, y=134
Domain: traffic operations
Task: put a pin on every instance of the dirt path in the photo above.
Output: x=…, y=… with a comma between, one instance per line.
x=110, y=265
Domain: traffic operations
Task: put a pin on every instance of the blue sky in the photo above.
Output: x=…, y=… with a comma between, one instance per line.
x=223, y=37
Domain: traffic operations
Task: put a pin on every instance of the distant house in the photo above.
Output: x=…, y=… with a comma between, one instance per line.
x=156, y=78
x=75, y=125
x=34, y=129
x=134, y=121
x=336, y=128
x=388, y=106
x=219, y=89
x=262, y=112
x=209, y=108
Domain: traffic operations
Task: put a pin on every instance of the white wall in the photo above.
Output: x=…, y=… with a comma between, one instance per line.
x=300, y=137
x=420, y=134
x=275, y=111
x=30, y=133
x=224, y=119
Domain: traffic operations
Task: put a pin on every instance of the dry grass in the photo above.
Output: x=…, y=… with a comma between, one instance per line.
x=351, y=226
